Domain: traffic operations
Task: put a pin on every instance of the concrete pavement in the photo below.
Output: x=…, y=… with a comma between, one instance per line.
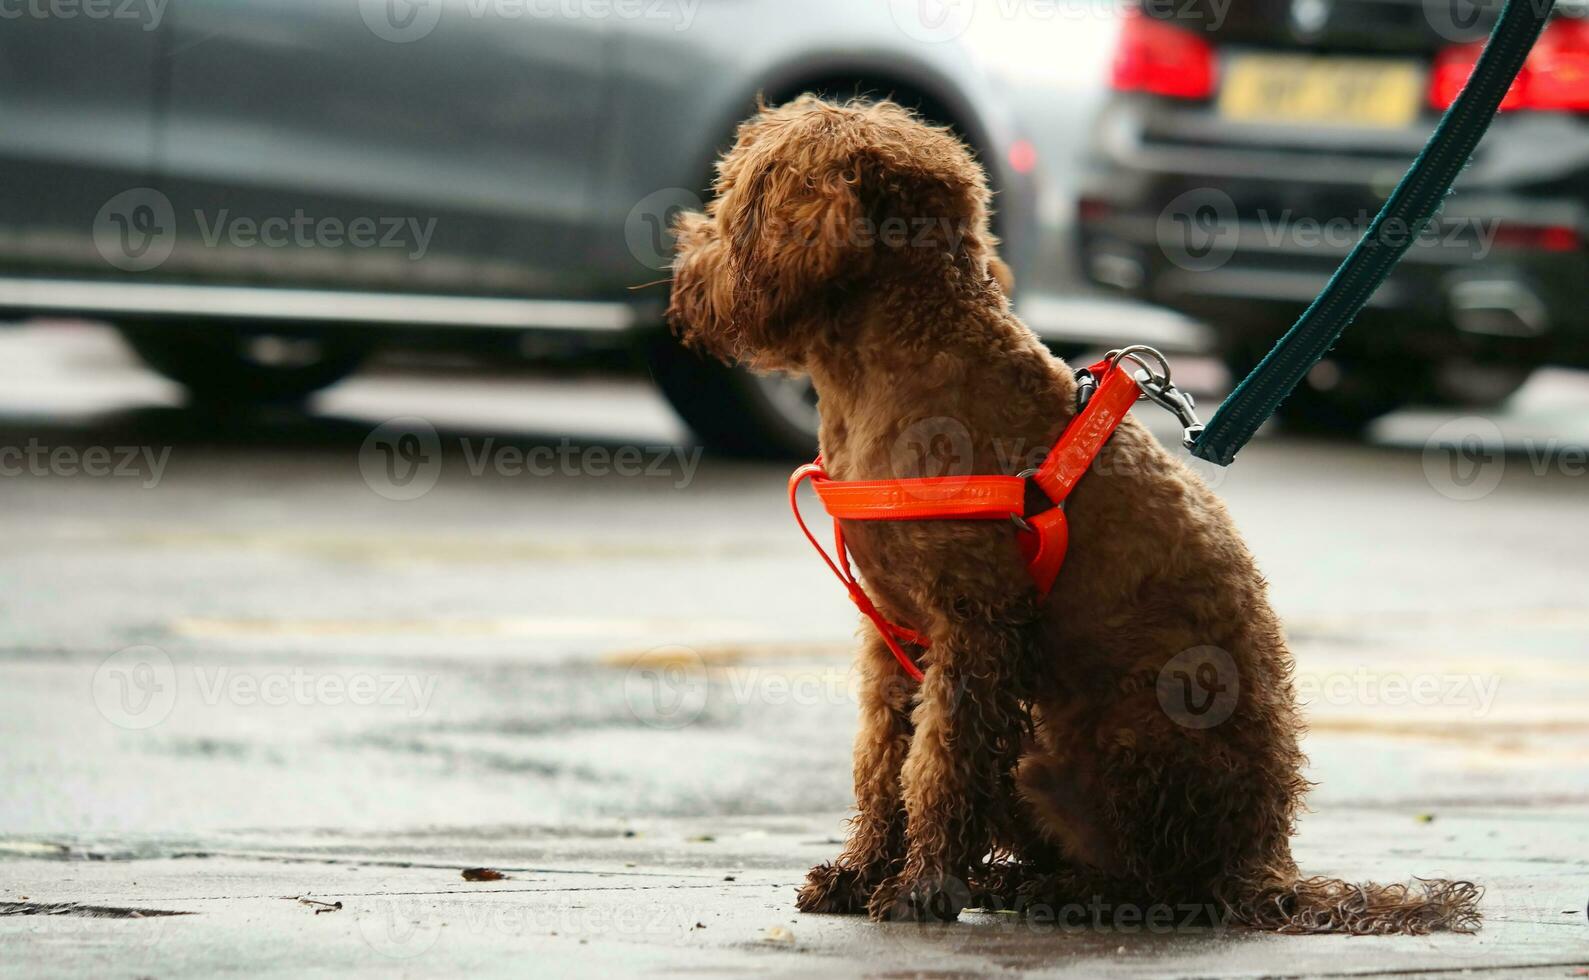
x=252, y=668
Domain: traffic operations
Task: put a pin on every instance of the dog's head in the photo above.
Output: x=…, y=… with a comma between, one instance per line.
x=814, y=202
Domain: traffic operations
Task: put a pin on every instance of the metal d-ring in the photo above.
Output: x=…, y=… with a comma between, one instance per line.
x=1134, y=352
x=1020, y=521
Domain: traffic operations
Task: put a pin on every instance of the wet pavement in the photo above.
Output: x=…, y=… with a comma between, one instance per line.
x=527, y=626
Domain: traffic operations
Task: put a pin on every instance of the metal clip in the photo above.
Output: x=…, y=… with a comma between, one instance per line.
x=1177, y=402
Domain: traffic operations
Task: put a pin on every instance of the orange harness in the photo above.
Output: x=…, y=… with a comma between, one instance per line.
x=1108, y=390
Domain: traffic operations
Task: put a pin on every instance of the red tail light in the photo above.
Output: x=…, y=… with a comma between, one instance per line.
x=1162, y=59
x=1555, y=77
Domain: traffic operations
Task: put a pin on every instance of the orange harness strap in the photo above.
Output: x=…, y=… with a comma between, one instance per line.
x=1044, y=537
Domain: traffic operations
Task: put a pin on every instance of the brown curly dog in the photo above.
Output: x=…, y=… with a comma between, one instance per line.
x=1043, y=759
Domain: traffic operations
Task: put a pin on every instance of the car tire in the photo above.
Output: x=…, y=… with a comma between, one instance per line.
x=732, y=410
x=1339, y=396
x=223, y=366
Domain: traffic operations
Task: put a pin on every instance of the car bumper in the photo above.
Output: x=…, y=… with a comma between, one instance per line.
x=1245, y=236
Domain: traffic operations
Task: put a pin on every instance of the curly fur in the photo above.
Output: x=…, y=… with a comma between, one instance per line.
x=1035, y=762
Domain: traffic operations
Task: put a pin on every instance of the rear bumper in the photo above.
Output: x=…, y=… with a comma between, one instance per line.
x=1245, y=234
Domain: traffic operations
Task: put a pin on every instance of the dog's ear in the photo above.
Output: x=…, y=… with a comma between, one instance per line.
x=701, y=304
x=1000, y=271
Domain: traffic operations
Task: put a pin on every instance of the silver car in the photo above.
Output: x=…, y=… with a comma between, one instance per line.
x=258, y=192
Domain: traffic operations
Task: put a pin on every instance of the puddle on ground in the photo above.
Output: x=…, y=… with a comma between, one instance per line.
x=85, y=911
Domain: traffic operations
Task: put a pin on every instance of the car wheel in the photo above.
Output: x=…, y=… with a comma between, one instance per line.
x=731, y=409
x=225, y=366
x=1339, y=396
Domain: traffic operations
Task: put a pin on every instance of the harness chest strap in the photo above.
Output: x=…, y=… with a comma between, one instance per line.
x=1044, y=537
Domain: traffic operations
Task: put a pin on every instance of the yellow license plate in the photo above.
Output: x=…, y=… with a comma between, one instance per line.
x=1321, y=91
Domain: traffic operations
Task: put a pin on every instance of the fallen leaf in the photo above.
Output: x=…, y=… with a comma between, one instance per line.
x=482, y=874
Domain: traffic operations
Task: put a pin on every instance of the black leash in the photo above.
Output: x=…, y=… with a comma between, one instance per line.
x=1406, y=213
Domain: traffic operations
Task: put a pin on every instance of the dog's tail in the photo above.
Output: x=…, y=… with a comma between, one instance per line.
x=1329, y=905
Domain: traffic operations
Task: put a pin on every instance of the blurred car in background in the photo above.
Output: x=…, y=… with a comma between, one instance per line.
x=259, y=192
x=1246, y=147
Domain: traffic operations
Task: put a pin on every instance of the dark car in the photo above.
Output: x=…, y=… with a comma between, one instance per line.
x=1246, y=147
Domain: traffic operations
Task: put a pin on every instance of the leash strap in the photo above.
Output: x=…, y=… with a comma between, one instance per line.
x=1106, y=408
x=1406, y=213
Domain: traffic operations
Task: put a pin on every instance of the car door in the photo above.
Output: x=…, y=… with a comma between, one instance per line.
x=408, y=145
x=77, y=97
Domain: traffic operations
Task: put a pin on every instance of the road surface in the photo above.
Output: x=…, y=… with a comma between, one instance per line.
x=449, y=621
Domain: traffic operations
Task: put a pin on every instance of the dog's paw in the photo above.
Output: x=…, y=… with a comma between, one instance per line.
x=834, y=890
x=935, y=900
